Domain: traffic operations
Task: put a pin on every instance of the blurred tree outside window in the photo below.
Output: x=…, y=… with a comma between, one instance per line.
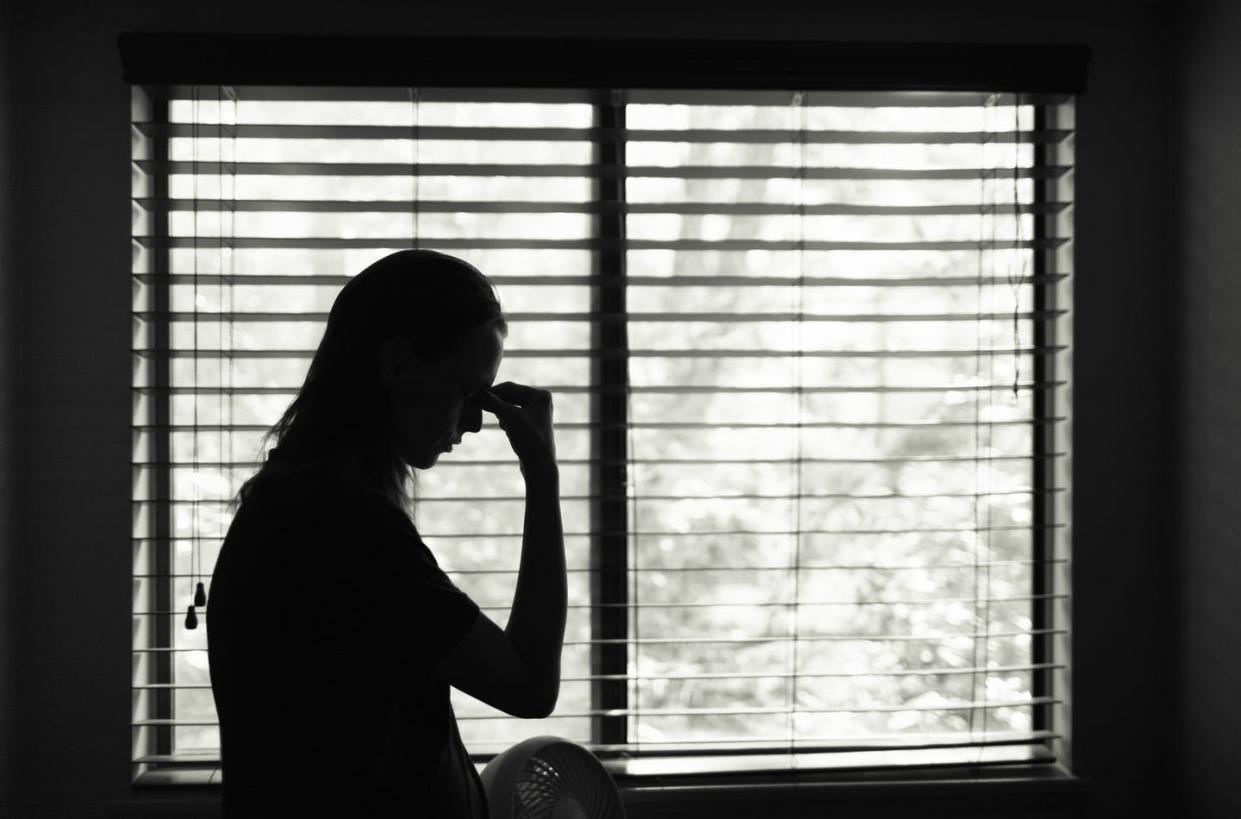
x=841, y=416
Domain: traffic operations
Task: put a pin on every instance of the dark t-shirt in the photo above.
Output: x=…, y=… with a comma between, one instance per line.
x=327, y=615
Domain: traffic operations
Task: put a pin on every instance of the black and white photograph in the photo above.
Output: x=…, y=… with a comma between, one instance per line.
x=661, y=410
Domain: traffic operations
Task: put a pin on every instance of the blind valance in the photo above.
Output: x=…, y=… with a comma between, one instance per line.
x=475, y=62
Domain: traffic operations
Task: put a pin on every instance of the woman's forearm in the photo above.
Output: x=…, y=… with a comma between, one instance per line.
x=536, y=623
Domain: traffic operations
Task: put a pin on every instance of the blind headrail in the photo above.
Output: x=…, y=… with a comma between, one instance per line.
x=546, y=62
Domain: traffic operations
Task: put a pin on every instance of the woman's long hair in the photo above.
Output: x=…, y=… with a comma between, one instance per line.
x=341, y=420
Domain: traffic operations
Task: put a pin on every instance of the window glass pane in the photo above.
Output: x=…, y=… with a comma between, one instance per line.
x=919, y=468
x=844, y=407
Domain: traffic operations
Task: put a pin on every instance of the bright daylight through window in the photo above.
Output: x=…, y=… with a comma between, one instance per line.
x=809, y=352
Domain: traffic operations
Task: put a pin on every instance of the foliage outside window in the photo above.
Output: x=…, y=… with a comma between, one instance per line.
x=823, y=473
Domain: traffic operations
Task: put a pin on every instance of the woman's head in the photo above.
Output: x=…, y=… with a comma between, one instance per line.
x=408, y=341
x=433, y=401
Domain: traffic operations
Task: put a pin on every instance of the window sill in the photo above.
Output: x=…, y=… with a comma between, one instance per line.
x=957, y=791
x=1025, y=789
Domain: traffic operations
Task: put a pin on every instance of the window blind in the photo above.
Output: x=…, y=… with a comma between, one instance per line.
x=809, y=352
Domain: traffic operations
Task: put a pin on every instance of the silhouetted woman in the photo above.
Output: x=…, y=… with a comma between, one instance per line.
x=333, y=634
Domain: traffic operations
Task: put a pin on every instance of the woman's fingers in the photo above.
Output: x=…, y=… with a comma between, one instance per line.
x=520, y=394
x=525, y=415
x=492, y=403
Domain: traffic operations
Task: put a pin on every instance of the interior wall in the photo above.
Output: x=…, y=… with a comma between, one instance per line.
x=10, y=437
x=1209, y=261
x=73, y=713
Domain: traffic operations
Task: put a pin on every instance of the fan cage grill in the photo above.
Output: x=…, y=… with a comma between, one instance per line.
x=560, y=771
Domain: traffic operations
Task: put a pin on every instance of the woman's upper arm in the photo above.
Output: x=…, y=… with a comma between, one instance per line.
x=461, y=644
x=485, y=664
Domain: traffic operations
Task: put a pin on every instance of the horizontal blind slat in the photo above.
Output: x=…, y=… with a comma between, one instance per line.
x=896, y=98
x=668, y=425
x=707, y=136
x=408, y=131
x=244, y=355
x=327, y=280
x=253, y=466
x=702, y=712
x=839, y=98
x=842, y=496
x=638, y=573
x=813, y=638
x=670, y=317
x=920, y=672
x=807, y=567
x=428, y=532
x=476, y=462
x=600, y=243
x=743, y=710
x=343, y=206
x=746, y=750
x=574, y=389
x=216, y=168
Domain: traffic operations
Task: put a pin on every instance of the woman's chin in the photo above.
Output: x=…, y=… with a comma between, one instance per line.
x=428, y=459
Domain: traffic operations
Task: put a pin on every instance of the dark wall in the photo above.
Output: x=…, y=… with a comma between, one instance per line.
x=73, y=713
x=1209, y=537
x=9, y=392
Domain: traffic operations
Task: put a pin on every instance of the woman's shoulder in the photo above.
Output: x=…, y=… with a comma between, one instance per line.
x=314, y=492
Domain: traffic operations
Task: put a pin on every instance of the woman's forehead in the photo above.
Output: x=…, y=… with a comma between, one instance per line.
x=478, y=357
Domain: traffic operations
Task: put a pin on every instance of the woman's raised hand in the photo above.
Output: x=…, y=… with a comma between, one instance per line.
x=525, y=415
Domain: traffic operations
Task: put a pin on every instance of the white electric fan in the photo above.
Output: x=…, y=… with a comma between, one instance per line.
x=550, y=777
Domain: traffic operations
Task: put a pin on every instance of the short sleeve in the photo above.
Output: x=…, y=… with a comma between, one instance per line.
x=430, y=613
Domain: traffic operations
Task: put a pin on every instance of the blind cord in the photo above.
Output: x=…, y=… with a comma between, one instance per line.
x=415, y=119
x=415, y=106
x=985, y=597
x=978, y=382
x=1014, y=281
x=632, y=478
x=799, y=109
x=619, y=101
x=225, y=271
x=191, y=619
x=232, y=268
x=200, y=594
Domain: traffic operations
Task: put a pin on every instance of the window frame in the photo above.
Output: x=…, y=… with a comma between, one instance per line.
x=164, y=59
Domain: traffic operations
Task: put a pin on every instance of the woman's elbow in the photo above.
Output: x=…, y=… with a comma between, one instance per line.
x=546, y=704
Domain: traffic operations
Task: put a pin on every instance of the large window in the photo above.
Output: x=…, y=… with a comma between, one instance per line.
x=809, y=351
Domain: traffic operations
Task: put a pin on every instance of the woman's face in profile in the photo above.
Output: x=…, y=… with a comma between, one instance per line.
x=432, y=402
